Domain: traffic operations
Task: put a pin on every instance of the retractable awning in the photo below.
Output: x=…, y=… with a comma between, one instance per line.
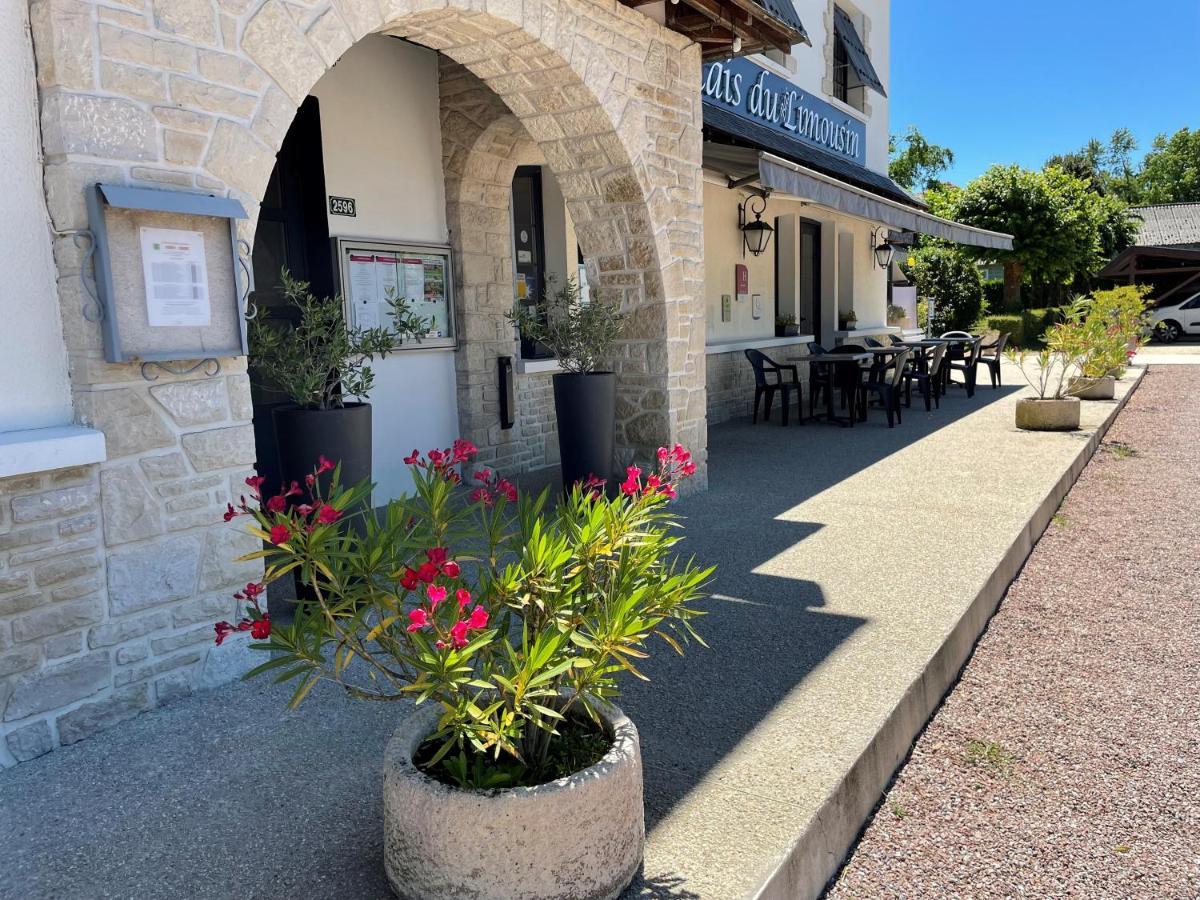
x=746, y=165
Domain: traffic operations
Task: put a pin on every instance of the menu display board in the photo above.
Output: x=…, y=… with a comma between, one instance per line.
x=376, y=273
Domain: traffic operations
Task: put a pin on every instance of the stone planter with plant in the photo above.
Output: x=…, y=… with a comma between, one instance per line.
x=785, y=326
x=320, y=363
x=582, y=337
x=1053, y=409
x=1109, y=327
x=508, y=625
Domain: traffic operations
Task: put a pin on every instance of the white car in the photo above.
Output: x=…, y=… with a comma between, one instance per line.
x=1170, y=323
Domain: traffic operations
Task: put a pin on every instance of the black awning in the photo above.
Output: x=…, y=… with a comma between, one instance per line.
x=785, y=11
x=856, y=52
x=725, y=127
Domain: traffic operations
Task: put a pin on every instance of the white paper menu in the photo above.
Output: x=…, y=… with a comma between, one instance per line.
x=176, y=274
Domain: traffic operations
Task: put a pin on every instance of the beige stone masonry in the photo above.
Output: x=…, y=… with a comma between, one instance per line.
x=198, y=95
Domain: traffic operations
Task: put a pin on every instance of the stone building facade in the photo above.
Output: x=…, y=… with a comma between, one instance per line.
x=112, y=572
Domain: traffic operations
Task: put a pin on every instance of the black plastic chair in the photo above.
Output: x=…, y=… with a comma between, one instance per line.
x=992, y=358
x=848, y=378
x=895, y=340
x=820, y=377
x=764, y=367
x=928, y=379
x=886, y=384
x=871, y=342
x=968, y=365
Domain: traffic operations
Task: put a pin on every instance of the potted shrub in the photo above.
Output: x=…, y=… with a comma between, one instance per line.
x=1053, y=409
x=581, y=335
x=515, y=775
x=320, y=363
x=785, y=326
x=1110, y=326
x=896, y=314
x=850, y=321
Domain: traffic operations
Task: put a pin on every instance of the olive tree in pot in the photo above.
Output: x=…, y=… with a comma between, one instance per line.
x=581, y=335
x=515, y=776
x=1047, y=372
x=320, y=363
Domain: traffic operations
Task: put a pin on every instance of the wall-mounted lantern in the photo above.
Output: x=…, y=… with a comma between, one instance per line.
x=756, y=235
x=884, y=252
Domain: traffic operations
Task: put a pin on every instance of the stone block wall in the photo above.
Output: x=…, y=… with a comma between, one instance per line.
x=197, y=95
x=730, y=385
x=111, y=576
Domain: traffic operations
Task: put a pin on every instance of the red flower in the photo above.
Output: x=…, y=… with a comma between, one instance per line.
x=479, y=495
x=437, y=555
x=483, y=476
x=323, y=465
x=328, y=515
x=464, y=450
x=458, y=634
x=230, y=512
x=255, y=482
x=441, y=645
x=451, y=569
x=276, y=504
x=223, y=630
x=261, y=629
x=304, y=509
x=478, y=620
x=253, y=590
x=280, y=534
x=310, y=479
x=417, y=619
x=414, y=459
x=427, y=572
x=436, y=594
x=663, y=453
x=293, y=490
x=632, y=483
x=463, y=596
x=408, y=580
x=508, y=489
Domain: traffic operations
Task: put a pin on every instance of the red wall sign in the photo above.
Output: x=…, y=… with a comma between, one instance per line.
x=741, y=277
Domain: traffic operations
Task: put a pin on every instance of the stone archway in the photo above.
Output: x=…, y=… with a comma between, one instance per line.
x=202, y=98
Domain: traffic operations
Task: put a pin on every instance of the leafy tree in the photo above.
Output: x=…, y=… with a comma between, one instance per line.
x=919, y=164
x=1107, y=168
x=1170, y=172
x=1053, y=217
x=947, y=275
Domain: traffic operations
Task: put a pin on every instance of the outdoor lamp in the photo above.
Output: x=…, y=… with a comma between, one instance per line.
x=884, y=253
x=756, y=235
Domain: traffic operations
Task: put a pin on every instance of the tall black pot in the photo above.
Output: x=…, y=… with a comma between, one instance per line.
x=341, y=435
x=586, y=409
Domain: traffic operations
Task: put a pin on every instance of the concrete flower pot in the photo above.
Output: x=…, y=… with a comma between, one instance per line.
x=575, y=838
x=1048, y=415
x=1102, y=388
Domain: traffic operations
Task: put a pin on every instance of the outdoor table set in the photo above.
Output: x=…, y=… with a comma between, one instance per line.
x=858, y=372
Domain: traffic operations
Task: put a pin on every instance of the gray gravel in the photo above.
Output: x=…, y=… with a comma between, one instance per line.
x=1064, y=763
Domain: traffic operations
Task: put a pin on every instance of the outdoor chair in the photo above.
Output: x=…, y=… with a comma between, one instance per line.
x=968, y=365
x=895, y=340
x=871, y=342
x=848, y=378
x=928, y=379
x=886, y=384
x=993, y=356
x=765, y=369
x=820, y=377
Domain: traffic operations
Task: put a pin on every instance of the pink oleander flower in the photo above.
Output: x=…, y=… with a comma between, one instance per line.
x=437, y=555
x=458, y=634
x=478, y=620
x=417, y=619
x=436, y=594
x=427, y=572
x=480, y=495
x=463, y=596
x=230, y=512
x=255, y=482
x=409, y=579
x=280, y=534
x=328, y=515
x=323, y=465
x=632, y=483
x=451, y=569
x=260, y=630
x=223, y=630
x=277, y=504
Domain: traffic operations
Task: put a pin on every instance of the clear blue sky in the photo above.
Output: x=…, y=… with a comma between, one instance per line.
x=1019, y=80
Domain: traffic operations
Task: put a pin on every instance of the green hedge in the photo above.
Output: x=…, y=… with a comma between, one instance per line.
x=1026, y=328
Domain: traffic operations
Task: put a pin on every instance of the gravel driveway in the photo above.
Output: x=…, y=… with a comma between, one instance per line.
x=1066, y=762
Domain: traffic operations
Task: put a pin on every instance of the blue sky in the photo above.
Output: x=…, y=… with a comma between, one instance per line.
x=1020, y=80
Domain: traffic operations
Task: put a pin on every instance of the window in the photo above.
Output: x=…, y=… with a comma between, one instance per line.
x=841, y=70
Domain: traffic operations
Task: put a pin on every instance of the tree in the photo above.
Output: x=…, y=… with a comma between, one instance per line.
x=919, y=164
x=947, y=276
x=1170, y=172
x=1107, y=168
x=1053, y=217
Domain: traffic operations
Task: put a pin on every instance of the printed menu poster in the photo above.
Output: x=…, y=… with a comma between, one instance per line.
x=364, y=290
x=176, y=273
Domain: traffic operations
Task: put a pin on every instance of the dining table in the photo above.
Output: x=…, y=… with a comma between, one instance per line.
x=842, y=362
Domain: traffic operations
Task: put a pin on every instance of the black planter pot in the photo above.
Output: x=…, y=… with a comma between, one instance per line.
x=586, y=409
x=341, y=435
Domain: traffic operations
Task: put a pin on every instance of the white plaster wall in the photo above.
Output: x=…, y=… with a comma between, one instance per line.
x=808, y=66
x=33, y=359
x=382, y=146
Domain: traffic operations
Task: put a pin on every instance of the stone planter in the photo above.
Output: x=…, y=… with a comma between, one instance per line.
x=1102, y=388
x=1048, y=415
x=575, y=838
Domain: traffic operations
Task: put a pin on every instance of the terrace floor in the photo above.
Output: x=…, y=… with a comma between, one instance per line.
x=855, y=569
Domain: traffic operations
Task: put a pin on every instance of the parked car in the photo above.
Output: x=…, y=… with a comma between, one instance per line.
x=1170, y=323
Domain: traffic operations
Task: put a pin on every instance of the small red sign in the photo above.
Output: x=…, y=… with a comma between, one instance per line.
x=741, y=278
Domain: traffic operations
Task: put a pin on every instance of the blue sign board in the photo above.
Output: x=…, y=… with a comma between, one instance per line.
x=750, y=91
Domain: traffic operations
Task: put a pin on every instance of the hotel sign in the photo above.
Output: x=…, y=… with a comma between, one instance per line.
x=750, y=91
